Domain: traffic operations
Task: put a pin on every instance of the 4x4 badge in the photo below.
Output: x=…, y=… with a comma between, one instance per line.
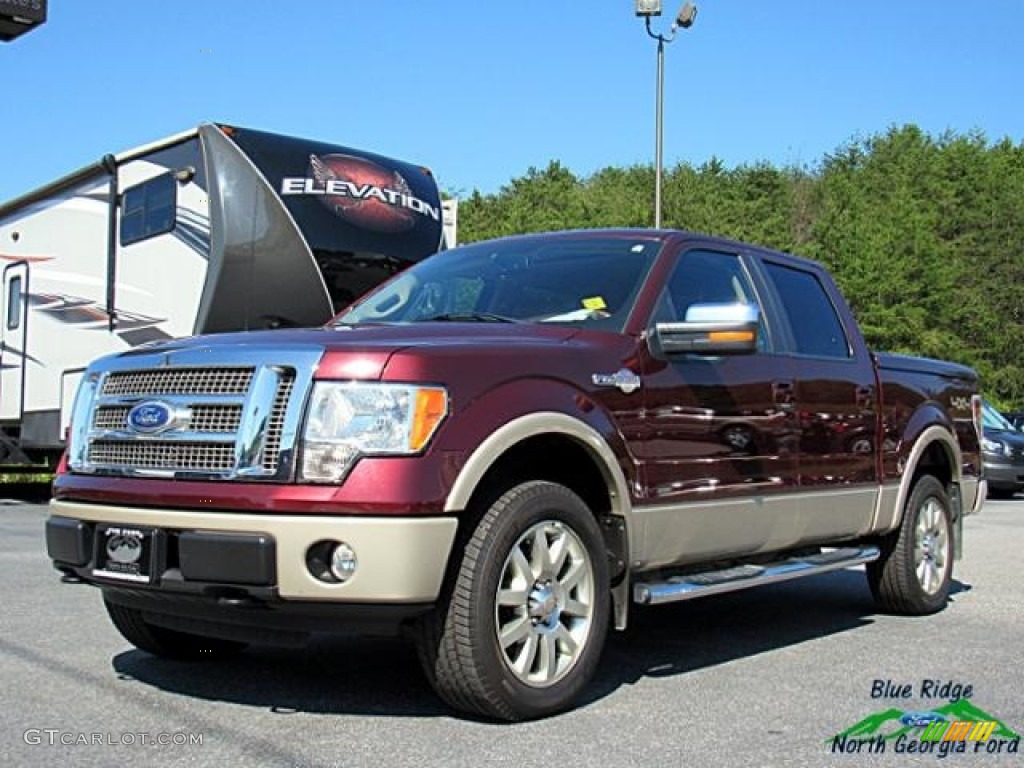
x=624, y=379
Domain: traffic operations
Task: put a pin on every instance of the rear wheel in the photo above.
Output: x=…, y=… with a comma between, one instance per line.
x=519, y=633
x=167, y=643
x=914, y=573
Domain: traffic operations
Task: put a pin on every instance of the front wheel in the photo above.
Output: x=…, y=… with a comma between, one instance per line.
x=520, y=631
x=914, y=573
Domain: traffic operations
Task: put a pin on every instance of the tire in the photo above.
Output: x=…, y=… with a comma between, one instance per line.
x=168, y=643
x=519, y=631
x=914, y=573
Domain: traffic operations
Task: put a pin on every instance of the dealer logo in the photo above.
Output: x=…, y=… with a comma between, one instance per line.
x=125, y=547
x=956, y=727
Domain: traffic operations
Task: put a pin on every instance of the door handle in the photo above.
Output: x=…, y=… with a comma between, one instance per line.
x=865, y=397
x=783, y=393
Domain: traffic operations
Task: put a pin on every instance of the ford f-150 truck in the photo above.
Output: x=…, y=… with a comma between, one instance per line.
x=506, y=446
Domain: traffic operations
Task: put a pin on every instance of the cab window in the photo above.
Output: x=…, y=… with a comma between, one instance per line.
x=707, y=277
x=812, y=316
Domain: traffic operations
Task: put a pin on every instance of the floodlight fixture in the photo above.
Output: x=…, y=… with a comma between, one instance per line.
x=687, y=15
x=648, y=8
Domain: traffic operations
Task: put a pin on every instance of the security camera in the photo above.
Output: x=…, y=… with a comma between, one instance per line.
x=686, y=16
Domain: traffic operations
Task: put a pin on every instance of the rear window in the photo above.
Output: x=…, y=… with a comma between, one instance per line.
x=812, y=317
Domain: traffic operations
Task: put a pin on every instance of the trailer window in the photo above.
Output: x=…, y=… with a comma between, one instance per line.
x=148, y=209
x=14, y=304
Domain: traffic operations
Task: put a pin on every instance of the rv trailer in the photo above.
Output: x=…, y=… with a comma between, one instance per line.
x=216, y=229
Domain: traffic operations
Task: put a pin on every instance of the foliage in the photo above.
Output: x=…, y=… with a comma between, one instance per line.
x=925, y=234
x=21, y=478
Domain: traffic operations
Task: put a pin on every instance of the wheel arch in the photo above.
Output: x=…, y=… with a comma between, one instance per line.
x=556, y=447
x=935, y=452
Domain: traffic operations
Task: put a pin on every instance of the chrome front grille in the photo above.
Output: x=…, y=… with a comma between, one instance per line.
x=111, y=417
x=164, y=455
x=202, y=418
x=275, y=425
x=180, y=381
x=215, y=418
x=237, y=420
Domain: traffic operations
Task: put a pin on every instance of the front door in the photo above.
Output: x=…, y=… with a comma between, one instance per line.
x=13, y=335
x=720, y=454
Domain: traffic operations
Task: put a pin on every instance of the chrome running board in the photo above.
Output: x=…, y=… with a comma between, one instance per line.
x=693, y=585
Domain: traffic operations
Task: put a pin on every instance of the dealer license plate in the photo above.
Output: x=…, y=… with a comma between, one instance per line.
x=124, y=553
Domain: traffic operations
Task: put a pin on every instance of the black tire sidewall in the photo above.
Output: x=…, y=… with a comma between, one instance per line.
x=540, y=502
x=926, y=488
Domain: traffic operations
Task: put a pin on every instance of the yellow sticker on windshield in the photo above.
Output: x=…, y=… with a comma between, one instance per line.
x=594, y=302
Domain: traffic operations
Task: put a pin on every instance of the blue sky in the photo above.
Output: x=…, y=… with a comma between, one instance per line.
x=481, y=91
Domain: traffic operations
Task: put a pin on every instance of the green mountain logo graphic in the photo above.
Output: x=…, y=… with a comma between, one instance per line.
x=886, y=723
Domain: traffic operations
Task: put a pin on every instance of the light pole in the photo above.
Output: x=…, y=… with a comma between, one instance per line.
x=684, y=20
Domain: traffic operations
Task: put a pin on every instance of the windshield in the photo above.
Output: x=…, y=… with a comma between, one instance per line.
x=589, y=281
x=993, y=419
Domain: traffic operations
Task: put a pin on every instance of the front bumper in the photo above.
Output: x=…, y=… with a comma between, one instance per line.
x=214, y=553
x=980, y=495
x=1004, y=476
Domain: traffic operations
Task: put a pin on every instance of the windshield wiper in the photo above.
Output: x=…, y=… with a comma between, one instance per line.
x=469, y=317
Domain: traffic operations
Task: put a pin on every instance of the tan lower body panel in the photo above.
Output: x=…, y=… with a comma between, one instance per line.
x=696, y=532
x=401, y=560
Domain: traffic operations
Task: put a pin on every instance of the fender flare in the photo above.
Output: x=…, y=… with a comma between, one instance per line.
x=933, y=434
x=515, y=431
x=532, y=425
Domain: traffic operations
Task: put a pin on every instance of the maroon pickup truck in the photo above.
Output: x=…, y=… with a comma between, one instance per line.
x=503, y=448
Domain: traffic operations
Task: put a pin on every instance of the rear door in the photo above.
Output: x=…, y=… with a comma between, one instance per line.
x=13, y=335
x=835, y=401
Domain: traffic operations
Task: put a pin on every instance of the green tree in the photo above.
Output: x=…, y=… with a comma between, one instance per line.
x=923, y=233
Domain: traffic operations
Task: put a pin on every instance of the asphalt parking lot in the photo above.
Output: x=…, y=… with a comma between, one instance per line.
x=761, y=678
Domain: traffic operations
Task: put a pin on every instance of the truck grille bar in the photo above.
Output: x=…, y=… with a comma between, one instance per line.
x=186, y=381
x=204, y=418
x=162, y=454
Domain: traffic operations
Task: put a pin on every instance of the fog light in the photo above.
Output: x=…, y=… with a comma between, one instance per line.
x=343, y=562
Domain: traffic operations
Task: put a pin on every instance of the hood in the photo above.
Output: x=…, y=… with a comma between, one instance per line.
x=347, y=338
x=363, y=351
x=1010, y=436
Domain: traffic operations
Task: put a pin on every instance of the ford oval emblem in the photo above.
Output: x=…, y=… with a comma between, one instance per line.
x=150, y=416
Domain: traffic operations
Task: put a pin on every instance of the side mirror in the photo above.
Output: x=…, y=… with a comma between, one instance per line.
x=710, y=329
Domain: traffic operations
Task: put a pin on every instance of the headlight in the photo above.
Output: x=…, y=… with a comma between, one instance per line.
x=994, y=446
x=347, y=420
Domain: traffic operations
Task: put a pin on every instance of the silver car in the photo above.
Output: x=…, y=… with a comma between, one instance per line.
x=1002, y=452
